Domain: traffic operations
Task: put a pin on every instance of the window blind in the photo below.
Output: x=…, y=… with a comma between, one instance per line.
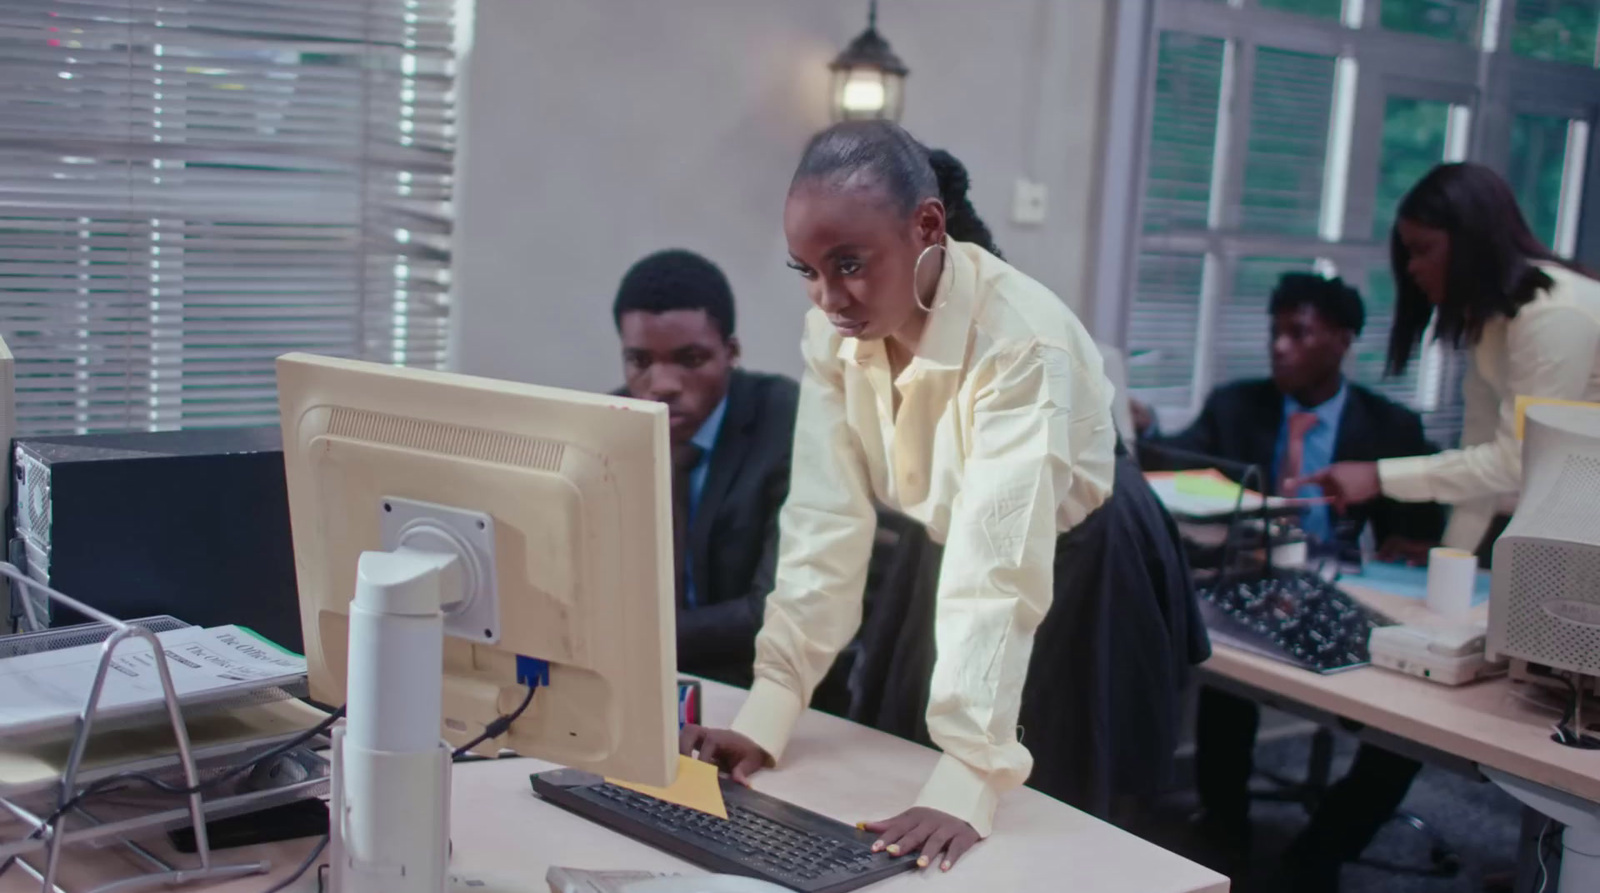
x=1557, y=30
x=1285, y=156
x=1455, y=20
x=190, y=188
x=1183, y=131
x=1164, y=309
x=1369, y=355
x=1164, y=317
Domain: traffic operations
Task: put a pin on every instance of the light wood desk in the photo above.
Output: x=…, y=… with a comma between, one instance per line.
x=834, y=767
x=1490, y=723
x=1491, y=729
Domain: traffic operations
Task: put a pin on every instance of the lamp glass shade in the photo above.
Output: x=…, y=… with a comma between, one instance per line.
x=866, y=91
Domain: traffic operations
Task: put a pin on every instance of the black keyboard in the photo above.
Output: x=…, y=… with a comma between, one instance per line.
x=763, y=837
x=1295, y=616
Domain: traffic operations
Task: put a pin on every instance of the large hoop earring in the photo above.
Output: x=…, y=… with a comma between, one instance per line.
x=916, y=270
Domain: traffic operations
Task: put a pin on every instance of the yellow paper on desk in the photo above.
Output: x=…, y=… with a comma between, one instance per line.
x=1209, y=483
x=697, y=788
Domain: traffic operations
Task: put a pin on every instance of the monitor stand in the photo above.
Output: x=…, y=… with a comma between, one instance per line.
x=389, y=801
x=1580, y=838
x=389, y=804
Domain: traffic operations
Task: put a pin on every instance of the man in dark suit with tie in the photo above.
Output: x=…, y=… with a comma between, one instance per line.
x=1305, y=417
x=732, y=432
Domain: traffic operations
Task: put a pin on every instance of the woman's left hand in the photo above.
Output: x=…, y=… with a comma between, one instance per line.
x=1344, y=483
x=937, y=836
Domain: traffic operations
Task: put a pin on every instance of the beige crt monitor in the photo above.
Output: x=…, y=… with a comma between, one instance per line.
x=1544, y=607
x=573, y=492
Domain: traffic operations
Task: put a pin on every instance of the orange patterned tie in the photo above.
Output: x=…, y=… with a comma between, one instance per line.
x=1300, y=424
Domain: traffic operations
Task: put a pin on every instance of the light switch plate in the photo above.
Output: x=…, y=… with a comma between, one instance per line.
x=1028, y=202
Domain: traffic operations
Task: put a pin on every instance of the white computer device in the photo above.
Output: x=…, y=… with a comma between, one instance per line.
x=1544, y=605
x=450, y=533
x=1450, y=655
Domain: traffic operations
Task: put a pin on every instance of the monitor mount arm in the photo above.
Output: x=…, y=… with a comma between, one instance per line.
x=389, y=807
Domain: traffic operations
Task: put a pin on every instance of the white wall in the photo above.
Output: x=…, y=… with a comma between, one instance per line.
x=597, y=131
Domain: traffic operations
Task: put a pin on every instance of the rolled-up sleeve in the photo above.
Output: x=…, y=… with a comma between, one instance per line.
x=1042, y=445
x=1550, y=353
x=825, y=533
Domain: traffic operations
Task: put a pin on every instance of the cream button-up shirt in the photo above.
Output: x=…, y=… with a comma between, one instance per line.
x=1002, y=440
x=1551, y=348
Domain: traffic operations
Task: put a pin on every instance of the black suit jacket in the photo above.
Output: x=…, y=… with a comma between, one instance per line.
x=1241, y=421
x=733, y=540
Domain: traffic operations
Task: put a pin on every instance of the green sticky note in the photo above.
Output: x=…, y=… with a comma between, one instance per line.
x=1205, y=485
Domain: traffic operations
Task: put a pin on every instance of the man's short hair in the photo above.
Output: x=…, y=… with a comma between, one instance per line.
x=1337, y=303
x=676, y=280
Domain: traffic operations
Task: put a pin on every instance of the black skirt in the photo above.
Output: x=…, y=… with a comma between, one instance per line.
x=1101, y=705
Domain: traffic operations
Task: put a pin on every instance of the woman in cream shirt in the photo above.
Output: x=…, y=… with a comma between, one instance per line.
x=1465, y=259
x=944, y=383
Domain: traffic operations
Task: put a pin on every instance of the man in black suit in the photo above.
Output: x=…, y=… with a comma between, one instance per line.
x=1306, y=416
x=1314, y=321
x=732, y=432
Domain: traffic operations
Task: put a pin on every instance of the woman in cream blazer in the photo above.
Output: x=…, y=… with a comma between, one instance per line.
x=1465, y=261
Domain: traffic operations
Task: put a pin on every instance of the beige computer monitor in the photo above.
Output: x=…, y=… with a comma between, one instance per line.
x=1544, y=603
x=578, y=489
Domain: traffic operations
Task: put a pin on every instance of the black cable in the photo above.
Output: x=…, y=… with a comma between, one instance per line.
x=164, y=786
x=1569, y=711
x=1568, y=732
x=498, y=727
x=493, y=730
x=304, y=867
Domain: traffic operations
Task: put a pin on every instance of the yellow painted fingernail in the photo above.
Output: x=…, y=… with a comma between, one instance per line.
x=945, y=866
x=861, y=826
x=922, y=862
x=894, y=849
x=876, y=847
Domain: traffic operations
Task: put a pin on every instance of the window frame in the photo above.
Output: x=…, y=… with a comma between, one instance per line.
x=1493, y=85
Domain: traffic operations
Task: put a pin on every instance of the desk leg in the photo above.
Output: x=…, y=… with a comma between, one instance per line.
x=1580, y=839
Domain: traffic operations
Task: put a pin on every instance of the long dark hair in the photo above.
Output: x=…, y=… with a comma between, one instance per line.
x=1493, y=253
x=907, y=170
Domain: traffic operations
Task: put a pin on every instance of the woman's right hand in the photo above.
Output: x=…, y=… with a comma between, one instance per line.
x=729, y=751
x=1344, y=483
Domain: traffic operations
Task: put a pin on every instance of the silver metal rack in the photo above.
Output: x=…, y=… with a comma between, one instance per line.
x=100, y=823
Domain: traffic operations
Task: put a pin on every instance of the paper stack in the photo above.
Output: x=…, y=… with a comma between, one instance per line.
x=45, y=691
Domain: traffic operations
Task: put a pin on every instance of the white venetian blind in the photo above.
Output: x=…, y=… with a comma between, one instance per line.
x=1183, y=132
x=190, y=188
x=1164, y=311
x=1291, y=104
